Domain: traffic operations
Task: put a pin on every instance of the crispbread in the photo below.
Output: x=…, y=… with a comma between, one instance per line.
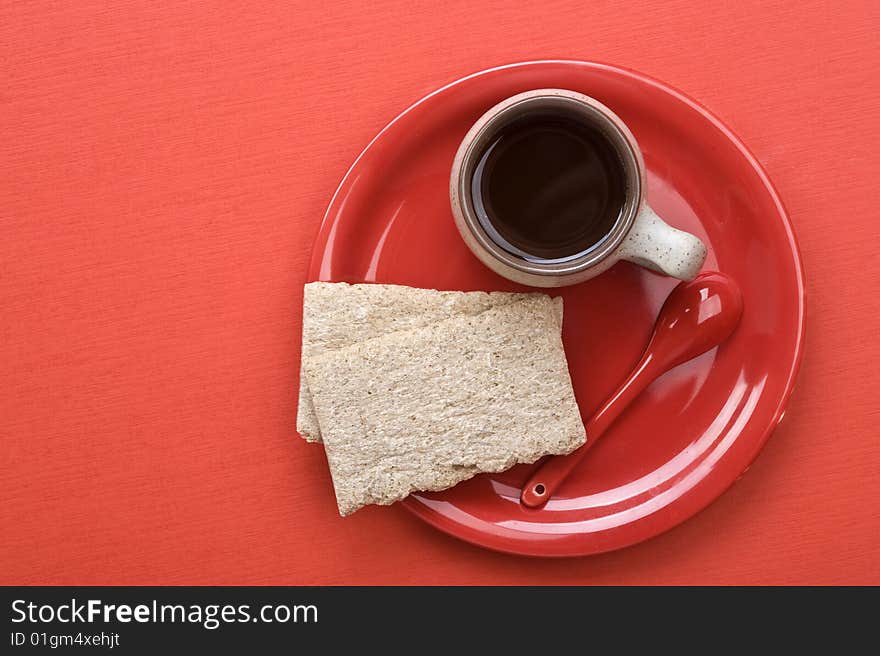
x=336, y=315
x=427, y=408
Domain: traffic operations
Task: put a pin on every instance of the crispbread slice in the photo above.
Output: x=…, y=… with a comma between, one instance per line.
x=336, y=315
x=427, y=408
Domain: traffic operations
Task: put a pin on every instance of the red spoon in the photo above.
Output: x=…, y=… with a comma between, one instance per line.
x=697, y=316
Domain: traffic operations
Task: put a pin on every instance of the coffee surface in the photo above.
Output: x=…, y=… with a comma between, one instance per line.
x=549, y=188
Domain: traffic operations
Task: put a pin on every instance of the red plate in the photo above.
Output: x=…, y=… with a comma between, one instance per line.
x=696, y=429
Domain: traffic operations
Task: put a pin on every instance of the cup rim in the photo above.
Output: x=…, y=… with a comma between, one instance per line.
x=500, y=115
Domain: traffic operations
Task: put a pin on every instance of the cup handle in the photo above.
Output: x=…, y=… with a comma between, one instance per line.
x=658, y=246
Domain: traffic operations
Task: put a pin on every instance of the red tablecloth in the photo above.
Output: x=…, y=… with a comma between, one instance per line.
x=164, y=167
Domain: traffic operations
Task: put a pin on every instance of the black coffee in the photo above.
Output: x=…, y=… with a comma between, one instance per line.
x=549, y=188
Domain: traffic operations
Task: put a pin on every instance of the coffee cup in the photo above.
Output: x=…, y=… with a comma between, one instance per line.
x=548, y=189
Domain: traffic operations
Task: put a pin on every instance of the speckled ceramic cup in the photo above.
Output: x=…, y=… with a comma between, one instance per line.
x=638, y=235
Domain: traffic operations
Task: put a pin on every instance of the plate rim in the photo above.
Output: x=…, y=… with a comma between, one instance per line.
x=498, y=544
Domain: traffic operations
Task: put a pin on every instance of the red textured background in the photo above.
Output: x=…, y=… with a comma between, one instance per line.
x=164, y=167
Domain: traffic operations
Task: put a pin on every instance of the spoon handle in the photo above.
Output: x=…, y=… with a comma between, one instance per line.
x=641, y=376
x=544, y=482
